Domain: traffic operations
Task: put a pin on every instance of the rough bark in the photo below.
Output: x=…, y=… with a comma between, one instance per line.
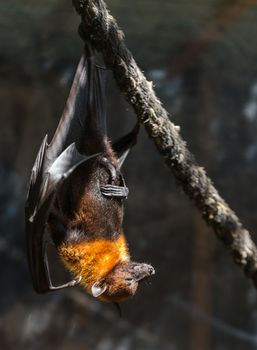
x=101, y=29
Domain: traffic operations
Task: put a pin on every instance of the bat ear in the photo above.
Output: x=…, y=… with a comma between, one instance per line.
x=98, y=288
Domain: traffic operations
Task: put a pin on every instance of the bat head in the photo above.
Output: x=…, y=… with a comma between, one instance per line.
x=122, y=282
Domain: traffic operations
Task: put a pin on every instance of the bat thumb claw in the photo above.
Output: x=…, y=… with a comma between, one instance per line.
x=78, y=280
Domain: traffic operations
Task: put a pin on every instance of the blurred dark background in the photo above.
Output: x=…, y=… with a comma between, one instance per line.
x=202, y=58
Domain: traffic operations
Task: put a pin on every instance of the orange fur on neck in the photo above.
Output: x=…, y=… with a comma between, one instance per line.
x=94, y=259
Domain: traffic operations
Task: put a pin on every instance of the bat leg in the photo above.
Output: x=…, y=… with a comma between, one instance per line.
x=106, y=163
x=71, y=283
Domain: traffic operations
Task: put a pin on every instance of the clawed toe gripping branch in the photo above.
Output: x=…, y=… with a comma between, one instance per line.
x=101, y=29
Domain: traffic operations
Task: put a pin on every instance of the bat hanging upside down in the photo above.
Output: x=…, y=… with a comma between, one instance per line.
x=76, y=193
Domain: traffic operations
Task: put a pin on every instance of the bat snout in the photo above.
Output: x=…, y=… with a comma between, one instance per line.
x=147, y=271
x=141, y=271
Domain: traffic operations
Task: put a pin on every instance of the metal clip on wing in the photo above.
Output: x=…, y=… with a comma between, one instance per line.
x=112, y=191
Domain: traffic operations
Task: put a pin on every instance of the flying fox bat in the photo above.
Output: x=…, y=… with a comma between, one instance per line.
x=76, y=193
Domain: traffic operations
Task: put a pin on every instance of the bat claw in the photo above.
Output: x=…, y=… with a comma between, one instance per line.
x=78, y=280
x=66, y=285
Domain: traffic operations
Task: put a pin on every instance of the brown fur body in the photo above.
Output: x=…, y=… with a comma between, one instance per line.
x=87, y=230
x=77, y=189
x=93, y=260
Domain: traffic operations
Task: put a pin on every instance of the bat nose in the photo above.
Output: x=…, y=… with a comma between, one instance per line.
x=140, y=271
x=151, y=270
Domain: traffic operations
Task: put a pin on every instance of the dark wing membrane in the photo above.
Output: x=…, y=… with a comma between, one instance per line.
x=36, y=180
x=84, y=115
x=41, y=195
x=35, y=222
x=36, y=246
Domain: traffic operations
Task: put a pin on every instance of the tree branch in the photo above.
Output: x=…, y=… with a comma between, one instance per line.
x=101, y=29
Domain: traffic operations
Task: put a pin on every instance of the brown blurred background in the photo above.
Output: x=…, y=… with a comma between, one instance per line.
x=202, y=58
